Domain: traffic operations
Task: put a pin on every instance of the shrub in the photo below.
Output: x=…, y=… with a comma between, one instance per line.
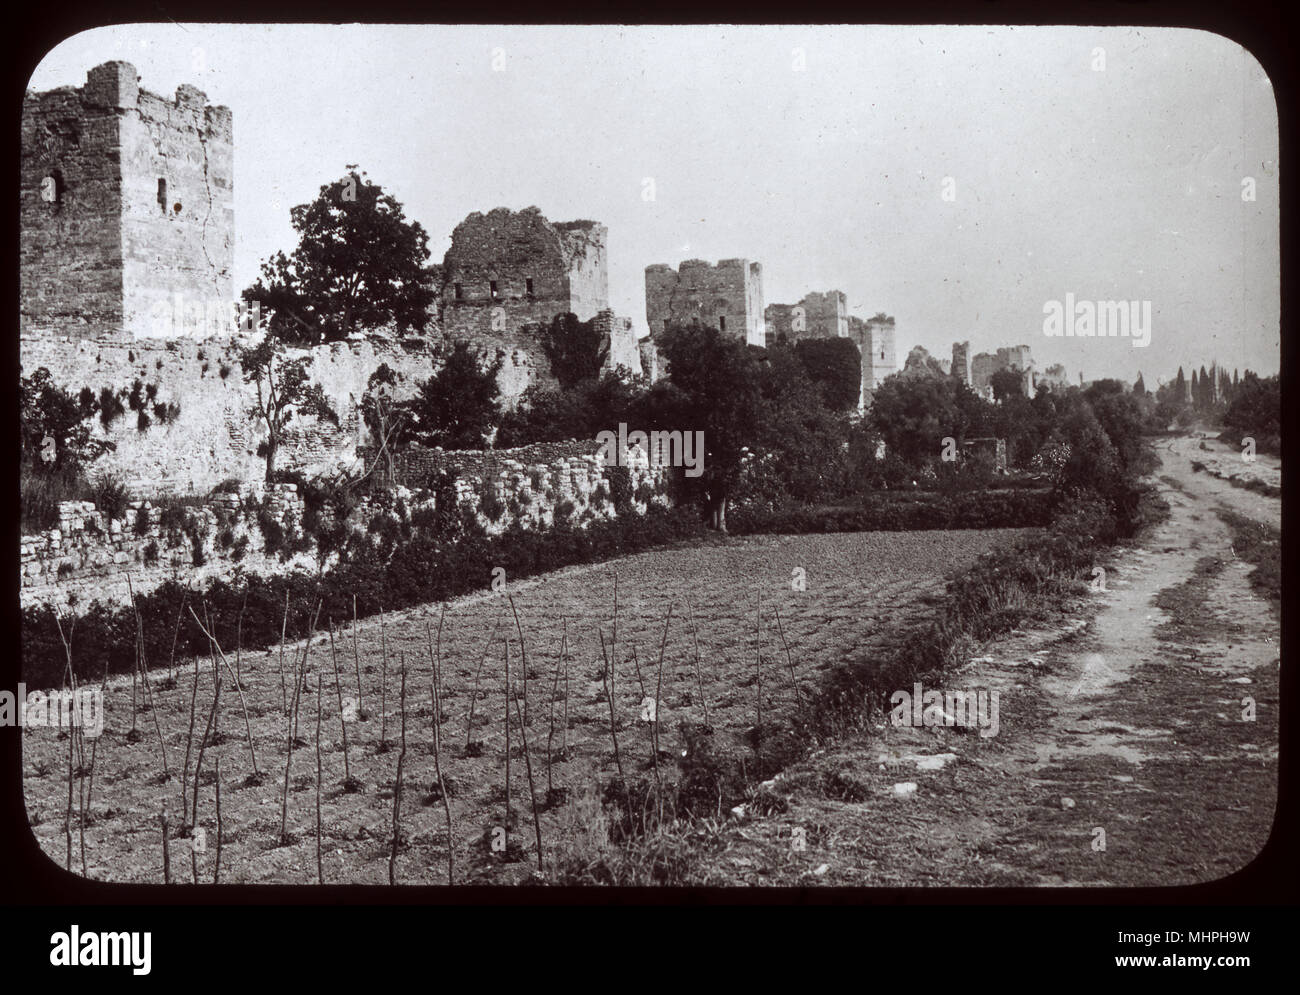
x=224, y=370
x=110, y=496
x=620, y=487
x=151, y=553
x=110, y=406
x=239, y=549
x=489, y=504
x=142, y=421
x=141, y=523
x=272, y=532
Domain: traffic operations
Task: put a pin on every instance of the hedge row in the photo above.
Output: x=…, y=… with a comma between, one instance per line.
x=905, y=513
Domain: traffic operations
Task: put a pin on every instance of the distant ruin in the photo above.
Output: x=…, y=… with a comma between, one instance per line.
x=728, y=296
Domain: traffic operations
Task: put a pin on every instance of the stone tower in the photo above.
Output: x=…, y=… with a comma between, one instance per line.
x=875, y=339
x=961, y=361
x=127, y=210
x=728, y=296
x=507, y=269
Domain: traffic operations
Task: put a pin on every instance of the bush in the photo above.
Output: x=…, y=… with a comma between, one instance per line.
x=110, y=496
x=151, y=553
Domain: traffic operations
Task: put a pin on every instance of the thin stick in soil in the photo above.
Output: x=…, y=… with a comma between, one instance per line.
x=532, y=791
x=256, y=777
x=216, y=870
x=144, y=676
x=699, y=677
x=523, y=651
x=550, y=716
x=659, y=690
x=207, y=732
x=798, y=697
x=348, y=784
x=383, y=684
x=607, y=676
x=356, y=649
x=473, y=699
x=167, y=854
x=507, y=724
x=284, y=628
x=437, y=739
x=397, y=785
x=320, y=864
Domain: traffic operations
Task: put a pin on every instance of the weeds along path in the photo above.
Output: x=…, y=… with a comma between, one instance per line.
x=1138, y=740
x=835, y=595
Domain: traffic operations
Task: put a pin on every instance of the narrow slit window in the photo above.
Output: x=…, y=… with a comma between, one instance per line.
x=722, y=323
x=492, y=289
x=162, y=193
x=528, y=286
x=460, y=292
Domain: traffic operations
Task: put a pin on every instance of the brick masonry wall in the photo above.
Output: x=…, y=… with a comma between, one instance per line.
x=89, y=557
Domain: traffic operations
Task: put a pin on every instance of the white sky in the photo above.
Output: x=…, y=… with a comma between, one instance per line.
x=1120, y=183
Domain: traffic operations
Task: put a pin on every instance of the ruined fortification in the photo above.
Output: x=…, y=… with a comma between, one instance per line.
x=728, y=296
x=875, y=339
x=816, y=316
x=1018, y=357
x=126, y=209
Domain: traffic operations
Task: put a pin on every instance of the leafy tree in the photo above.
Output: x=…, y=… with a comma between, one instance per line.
x=548, y=414
x=359, y=264
x=1139, y=388
x=457, y=407
x=577, y=350
x=713, y=387
x=283, y=390
x=1256, y=407
x=1007, y=383
x=47, y=411
x=835, y=366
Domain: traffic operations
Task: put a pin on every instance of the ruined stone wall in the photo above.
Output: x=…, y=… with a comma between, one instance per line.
x=728, y=296
x=212, y=438
x=142, y=216
x=89, y=557
x=623, y=348
x=1018, y=357
x=817, y=315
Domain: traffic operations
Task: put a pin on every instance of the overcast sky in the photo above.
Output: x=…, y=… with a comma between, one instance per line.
x=1115, y=182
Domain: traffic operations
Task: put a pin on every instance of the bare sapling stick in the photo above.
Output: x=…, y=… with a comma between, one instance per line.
x=216, y=870
x=798, y=697
x=550, y=720
x=320, y=864
x=523, y=651
x=609, y=696
x=532, y=791
x=473, y=698
x=189, y=737
x=167, y=857
x=699, y=677
x=397, y=785
x=383, y=684
x=507, y=723
x=758, y=658
x=239, y=642
x=144, y=676
x=437, y=742
x=338, y=687
x=94, y=747
x=356, y=649
x=564, y=718
x=171, y=666
x=659, y=690
x=208, y=732
x=243, y=703
x=284, y=628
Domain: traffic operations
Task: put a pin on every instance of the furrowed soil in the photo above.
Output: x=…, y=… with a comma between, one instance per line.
x=857, y=588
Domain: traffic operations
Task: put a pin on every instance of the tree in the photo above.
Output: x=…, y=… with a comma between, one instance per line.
x=713, y=386
x=835, y=366
x=384, y=418
x=283, y=390
x=359, y=264
x=1139, y=388
x=577, y=350
x=457, y=407
x=48, y=412
x=1007, y=383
